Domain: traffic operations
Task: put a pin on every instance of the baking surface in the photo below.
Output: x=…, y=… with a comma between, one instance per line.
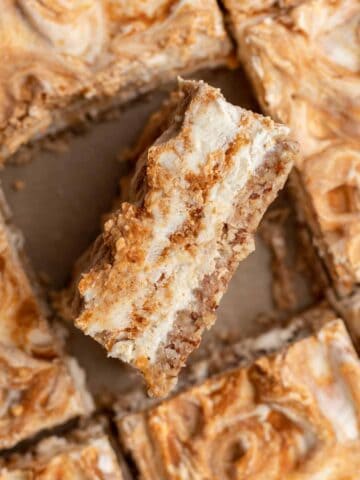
x=65, y=194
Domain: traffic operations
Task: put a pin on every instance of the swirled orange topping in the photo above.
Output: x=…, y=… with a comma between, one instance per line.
x=84, y=455
x=294, y=415
x=304, y=60
x=39, y=388
x=61, y=58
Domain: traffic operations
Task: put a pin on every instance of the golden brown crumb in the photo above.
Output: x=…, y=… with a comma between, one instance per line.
x=18, y=185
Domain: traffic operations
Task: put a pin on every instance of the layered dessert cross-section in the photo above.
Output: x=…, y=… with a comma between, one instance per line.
x=40, y=387
x=155, y=276
x=63, y=60
x=293, y=413
x=304, y=60
x=82, y=455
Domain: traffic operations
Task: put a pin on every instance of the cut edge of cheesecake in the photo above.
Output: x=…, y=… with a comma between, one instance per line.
x=60, y=89
x=158, y=271
x=37, y=371
x=87, y=450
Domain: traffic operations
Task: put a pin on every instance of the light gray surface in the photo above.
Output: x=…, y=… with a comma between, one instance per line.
x=65, y=195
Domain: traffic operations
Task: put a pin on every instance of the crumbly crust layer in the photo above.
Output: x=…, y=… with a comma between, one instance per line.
x=157, y=273
x=294, y=414
x=83, y=455
x=63, y=60
x=39, y=387
x=303, y=59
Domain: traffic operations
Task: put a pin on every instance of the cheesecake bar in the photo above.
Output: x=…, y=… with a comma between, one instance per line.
x=156, y=274
x=293, y=414
x=221, y=353
x=40, y=387
x=83, y=455
x=62, y=61
x=303, y=58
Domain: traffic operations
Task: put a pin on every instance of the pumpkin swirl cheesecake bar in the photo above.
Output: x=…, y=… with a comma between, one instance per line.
x=82, y=455
x=153, y=279
x=40, y=387
x=291, y=412
x=64, y=61
x=303, y=58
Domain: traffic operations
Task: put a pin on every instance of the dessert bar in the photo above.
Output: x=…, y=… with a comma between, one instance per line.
x=221, y=352
x=82, y=455
x=64, y=61
x=291, y=414
x=40, y=387
x=153, y=279
x=303, y=58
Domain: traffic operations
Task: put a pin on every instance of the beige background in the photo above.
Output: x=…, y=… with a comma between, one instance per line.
x=65, y=195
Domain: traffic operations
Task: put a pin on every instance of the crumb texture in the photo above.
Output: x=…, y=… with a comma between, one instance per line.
x=158, y=271
x=294, y=414
x=304, y=60
x=64, y=60
x=39, y=387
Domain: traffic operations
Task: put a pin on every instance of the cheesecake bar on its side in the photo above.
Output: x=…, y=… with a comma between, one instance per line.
x=39, y=386
x=62, y=61
x=82, y=455
x=303, y=58
x=158, y=271
x=291, y=414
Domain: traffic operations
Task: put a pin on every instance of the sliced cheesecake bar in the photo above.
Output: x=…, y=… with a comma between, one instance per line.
x=221, y=353
x=82, y=455
x=39, y=386
x=293, y=413
x=61, y=61
x=155, y=276
x=304, y=60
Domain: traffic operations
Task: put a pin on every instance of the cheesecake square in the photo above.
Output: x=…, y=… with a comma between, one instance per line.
x=226, y=351
x=152, y=281
x=64, y=62
x=292, y=412
x=40, y=386
x=304, y=63
x=81, y=455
